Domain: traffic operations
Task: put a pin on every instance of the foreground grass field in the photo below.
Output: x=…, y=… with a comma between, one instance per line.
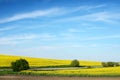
x=5, y=61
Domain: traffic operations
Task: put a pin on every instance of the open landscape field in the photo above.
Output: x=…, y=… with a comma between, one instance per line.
x=95, y=72
x=59, y=39
x=5, y=61
x=52, y=67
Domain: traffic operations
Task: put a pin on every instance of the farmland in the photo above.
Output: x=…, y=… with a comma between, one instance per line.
x=5, y=61
x=99, y=72
x=53, y=67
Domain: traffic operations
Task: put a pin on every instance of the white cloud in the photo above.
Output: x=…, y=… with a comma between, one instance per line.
x=46, y=36
x=71, y=36
x=16, y=38
x=89, y=26
x=72, y=30
x=33, y=14
x=106, y=17
x=88, y=8
x=49, y=12
x=94, y=27
x=100, y=16
x=7, y=28
x=19, y=37
x=47, y=47
x=103, y=37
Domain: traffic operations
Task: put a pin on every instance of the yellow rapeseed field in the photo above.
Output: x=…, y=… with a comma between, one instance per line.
x=5, y=61
x=111, y=71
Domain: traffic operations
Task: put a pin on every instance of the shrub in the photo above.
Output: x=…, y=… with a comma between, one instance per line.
x=104, y=64
x=117, y=64
x=110, y=64
x=19, y=65
x=75, y=63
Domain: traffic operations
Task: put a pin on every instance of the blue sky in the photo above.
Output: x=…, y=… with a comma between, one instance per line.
x=61, y=29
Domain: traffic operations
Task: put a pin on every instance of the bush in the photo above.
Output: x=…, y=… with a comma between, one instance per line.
x=19, y=65
x=104, y=64
x=110, y=64
x=117, y=64
x=75, y=63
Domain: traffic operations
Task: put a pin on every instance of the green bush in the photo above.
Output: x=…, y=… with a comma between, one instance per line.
x=19, y=65
x=104, y=64
x=75, y=63
x=110, y=64
x=117, y=64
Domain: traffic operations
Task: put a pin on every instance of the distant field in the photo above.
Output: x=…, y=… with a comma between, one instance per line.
x=5, y=61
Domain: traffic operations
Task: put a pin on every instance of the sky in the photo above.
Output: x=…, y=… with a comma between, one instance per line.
x=61, y=29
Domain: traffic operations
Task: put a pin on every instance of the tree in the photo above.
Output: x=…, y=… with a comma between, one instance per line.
x=75, y=63
x=117, y=64
x=104, y=64
x=111, y=64
x=19, y=65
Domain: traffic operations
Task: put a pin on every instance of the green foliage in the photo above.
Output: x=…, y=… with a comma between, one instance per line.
x=117, y=64
x=75, y=63
x=110, y=64
x=104, y=64
x=19, y=65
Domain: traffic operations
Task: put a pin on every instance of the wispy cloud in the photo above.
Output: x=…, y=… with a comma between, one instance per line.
x=117, y=36
x=89, y=26
x=72, y=30
x=95, y=28
x=7, y=28
x=46, y=36
x=103, y=17
x=32, y=14
x=88, y=8
x=106, y=17
x=49, y=12
x=100, y=16
x=16, y=38
x=72, y=36
x=19, y=37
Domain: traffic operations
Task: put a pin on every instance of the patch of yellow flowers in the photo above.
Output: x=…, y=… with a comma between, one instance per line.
x=6, y=60
x=92, y=71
